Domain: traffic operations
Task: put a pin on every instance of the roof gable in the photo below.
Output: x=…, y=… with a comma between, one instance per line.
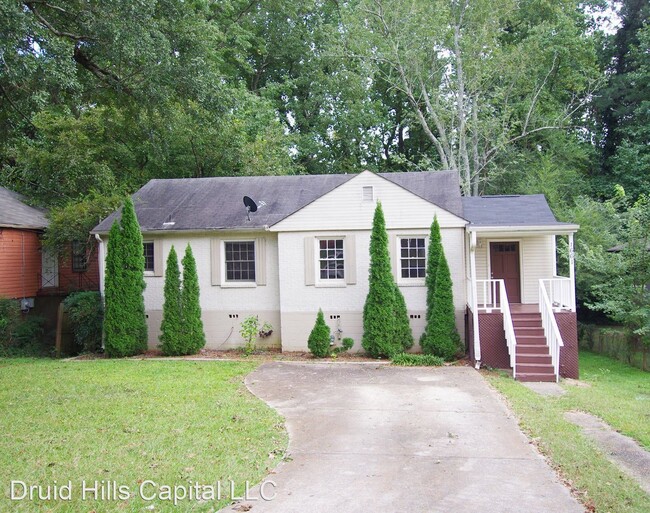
x=14, y=213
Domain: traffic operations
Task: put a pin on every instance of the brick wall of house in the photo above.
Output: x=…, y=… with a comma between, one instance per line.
x=20, y=262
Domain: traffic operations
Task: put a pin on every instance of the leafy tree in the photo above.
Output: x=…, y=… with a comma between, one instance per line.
x=125, y=326
x=403, y=332
x=192, y=334
x=171, y=341
x=379, y=309
x=440, y=336
x=319, y=338
x=480, y=77
x=621, y=289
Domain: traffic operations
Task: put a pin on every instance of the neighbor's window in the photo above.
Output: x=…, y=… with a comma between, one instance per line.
x=148, y=256
x=331, y=259
x=240, y=261
x=79, y=261
x=413, y=256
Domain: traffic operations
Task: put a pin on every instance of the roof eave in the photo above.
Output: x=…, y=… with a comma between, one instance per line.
x=560, y=228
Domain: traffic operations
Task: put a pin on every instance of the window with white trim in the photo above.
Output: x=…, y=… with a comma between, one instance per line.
x=149, y=256
x=240, y=260
x=331, y=259
x=413, y=257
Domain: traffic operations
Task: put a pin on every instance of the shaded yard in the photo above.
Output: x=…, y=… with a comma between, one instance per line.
x=615, y=392
x=127, y=421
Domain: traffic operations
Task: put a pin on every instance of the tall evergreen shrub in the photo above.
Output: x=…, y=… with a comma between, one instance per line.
x=319, y=338
x=192, y=326
x=379, y=310
x=440, y=336
x=403, y=331
x=125, y=325
x=171, y=326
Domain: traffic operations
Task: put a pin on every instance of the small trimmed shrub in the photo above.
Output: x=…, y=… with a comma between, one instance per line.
x=86, y=314
x=413, y=360
x=346, y=345
x=319, y=338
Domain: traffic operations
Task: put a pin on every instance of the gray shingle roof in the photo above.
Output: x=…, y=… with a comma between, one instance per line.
x=525, y=210
x=216, y=203
x=16, y=214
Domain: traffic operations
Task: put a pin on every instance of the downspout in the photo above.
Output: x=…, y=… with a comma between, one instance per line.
x=474, y=303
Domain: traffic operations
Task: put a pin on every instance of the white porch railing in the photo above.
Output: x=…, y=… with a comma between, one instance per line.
x=492, y=296
x=551, y=330
x=561, y=293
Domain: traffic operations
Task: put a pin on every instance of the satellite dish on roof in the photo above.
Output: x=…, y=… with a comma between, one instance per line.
x=251, y=206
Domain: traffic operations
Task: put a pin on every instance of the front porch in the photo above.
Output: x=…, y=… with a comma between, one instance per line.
x=521, y=314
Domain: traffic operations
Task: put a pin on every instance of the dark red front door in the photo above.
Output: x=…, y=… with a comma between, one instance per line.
x=504, y=263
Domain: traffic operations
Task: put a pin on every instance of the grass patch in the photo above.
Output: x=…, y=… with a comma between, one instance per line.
x=173, y=422
x=617, y=393
x=413, y=360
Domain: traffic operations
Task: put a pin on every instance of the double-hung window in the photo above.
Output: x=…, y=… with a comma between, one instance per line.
x=331, y=259
x=240, y=261
x=79, y=260
x=413, y=257
x=149, y=256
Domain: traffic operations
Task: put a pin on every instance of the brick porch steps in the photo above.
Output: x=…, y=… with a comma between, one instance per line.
x=532, y=354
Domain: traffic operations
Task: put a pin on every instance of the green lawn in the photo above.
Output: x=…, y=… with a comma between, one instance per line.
x=127, y=421
x=617, y=393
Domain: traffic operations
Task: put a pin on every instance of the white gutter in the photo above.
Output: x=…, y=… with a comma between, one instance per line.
x=539, y=229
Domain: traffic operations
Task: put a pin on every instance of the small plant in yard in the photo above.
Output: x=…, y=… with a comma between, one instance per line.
x=250, y=330
x=346, y=345
x=412, y=360
x=319, y=338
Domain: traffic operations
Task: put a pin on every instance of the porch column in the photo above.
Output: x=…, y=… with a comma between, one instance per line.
x=572, y=273
x=474, y=299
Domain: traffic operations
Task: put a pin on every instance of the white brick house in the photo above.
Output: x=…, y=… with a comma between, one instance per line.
x=307, y=245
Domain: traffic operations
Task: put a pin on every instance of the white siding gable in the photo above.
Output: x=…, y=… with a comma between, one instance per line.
x=348, y=208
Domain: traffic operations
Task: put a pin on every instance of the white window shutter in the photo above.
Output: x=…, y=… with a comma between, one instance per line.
x=260, y=261
x=157, y=258
x=215, y=257
x=309, y=261
x=350, y=260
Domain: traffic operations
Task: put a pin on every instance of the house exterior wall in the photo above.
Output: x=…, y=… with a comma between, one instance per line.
x=70, y=280
x=343, y=304
x=20, y=262
x=223, y=307
x=537, y=261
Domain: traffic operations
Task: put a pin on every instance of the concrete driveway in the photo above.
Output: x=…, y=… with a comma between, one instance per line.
x=369, y=437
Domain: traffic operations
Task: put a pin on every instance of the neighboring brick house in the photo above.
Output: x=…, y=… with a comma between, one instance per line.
x=27, y=269
x=306, y=247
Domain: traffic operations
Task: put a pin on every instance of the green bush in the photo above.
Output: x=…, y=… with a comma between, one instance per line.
x=125, y=326
x=28, y=338
x=170, y=327
x=9, y=317
x=412, y=360
x=440, y=336
x=192, y=327
x=379, y=309
x=319, y=338
x=86, y=314
x=403, y=332
x=347, y=343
